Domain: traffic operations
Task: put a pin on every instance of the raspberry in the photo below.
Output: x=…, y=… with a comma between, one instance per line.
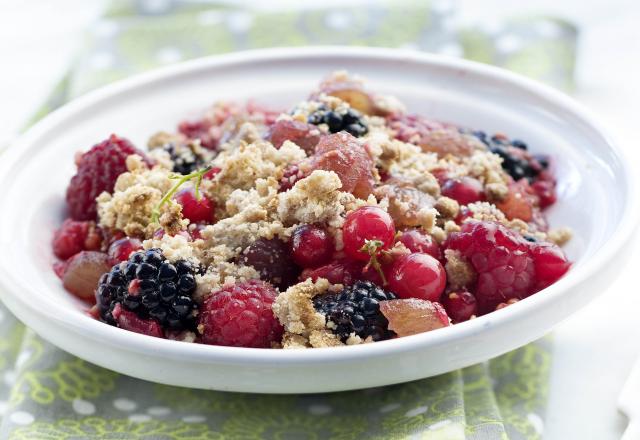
x=356, y=310
x=240, y=316
x=550, y=263
x=75, y=236
x=291, y=174
x=98, y=170
x=501, y=258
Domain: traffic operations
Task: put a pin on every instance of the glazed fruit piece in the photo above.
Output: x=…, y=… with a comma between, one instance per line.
x=82, y=272
x=305, y=136
x=368, y=223
x=408, y=317
x=356, y=311
x=417, y=276
x=342, y=154
x=240, y=316
x=98, y=170
x=152, y=288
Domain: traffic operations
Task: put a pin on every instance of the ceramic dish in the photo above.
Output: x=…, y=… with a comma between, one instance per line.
x=597, y=199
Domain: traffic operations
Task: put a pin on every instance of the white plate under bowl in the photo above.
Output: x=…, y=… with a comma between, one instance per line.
x=596, y=198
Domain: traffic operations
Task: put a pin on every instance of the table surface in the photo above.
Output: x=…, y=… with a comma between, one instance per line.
x=595, y=348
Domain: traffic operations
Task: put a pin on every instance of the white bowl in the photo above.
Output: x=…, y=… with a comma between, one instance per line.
x=596, y=198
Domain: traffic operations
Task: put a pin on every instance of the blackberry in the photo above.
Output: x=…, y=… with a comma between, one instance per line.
x=356, y=309
x=516, y=161
x=351, y=121
x=186, y=158
x=151, y=287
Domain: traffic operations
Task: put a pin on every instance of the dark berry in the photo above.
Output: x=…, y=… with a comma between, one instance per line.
x=272, y=260
x=98, y=170
x=152, y=288
x=120, y=250
x=356, y=310
x=350, y=121
x=311, y=246
x=186, y=158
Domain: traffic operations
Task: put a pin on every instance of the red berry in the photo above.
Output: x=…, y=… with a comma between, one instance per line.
x=82, y=273
x=197, y=211
x=98, y=170
x=75, y=236
x=240, y=316
x=291, y=174
x=311, y=246
x=367, y=223
x=201, y=130
x=417, y=276
x=304, y=135
x=344, y=272
x=130, y=321
x=417, y=241
x=546, y=192
x=550, y=263
x=464, y=190
x=501, y=259
x=211, y=174
x=272, y=259
x=460, y=306
x=120, y=250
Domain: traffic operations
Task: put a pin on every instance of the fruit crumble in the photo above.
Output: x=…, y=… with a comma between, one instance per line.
x=342, y=220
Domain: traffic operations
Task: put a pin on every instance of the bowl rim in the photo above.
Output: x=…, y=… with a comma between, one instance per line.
x=81, y=323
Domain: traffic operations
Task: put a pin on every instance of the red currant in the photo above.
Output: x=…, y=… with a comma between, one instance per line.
x=417, y=276
x=197, y=211
x=120, y=250
x=464, y=190
x=417, y=241
x=311, y=246
x=460, y=306
x=367, y=223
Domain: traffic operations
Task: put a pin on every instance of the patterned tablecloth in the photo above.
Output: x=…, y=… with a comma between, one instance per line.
x=48, y=394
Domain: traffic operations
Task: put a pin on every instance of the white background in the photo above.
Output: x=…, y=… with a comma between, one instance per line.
x=596, y=348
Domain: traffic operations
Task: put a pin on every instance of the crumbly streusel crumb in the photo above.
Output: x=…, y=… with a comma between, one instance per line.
x=135, y=195
x=222, y=274
x=427, y=219
x=174, y=248
x=560, y=236
x=294, y=307
x=447, y=208
x=496, y=191
x=459, y=271
x=314, y=199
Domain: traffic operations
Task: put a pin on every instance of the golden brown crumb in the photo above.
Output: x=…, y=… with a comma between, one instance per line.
x=447, y=207
x=459, y=273
x=560, y=236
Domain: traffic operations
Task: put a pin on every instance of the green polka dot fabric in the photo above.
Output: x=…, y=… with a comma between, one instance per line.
x=48, y=394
